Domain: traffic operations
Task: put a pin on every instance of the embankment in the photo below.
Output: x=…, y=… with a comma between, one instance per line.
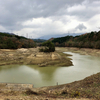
x=86, y=89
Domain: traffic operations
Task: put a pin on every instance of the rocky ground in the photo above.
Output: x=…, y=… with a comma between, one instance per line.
x=87, y=89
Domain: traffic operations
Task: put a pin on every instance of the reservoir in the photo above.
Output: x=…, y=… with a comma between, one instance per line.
x=84, y=65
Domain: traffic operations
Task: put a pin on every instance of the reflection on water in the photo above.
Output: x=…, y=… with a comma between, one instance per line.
x=84, y=66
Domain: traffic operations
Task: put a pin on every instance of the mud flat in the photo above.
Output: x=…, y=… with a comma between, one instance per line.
x=32, y=56
x=83, y=51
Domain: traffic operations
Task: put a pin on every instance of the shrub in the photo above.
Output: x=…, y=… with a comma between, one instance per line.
x=48, y=47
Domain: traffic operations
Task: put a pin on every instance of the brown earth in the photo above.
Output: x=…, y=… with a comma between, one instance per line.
x=86, y=89
x=83, y=51
x=32, y=56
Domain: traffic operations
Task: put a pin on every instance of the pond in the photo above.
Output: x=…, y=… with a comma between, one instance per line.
x=84, y=65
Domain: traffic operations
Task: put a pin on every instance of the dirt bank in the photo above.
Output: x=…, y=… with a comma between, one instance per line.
x=83, y=51
x=32, y=56
x=86, y=89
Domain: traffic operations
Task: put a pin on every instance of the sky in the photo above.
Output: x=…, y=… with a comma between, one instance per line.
x=38, y=18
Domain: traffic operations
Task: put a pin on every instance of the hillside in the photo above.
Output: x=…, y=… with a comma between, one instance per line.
x=88, y=40
x=11, y=41
x=39, y=40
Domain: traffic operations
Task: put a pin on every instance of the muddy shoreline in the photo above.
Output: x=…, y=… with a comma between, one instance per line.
x=32, y=56
x=86, y=89
x=83, y=51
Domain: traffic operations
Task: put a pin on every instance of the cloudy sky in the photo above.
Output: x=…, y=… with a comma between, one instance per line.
x=37, y=18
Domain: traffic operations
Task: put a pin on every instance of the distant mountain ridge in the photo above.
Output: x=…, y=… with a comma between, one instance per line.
x=39, y=40
x=47, y=37
x=8, y=33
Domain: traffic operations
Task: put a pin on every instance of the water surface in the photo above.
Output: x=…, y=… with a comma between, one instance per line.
x=84, y=65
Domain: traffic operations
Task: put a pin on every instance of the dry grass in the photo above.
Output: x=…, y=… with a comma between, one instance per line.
x=88, y=88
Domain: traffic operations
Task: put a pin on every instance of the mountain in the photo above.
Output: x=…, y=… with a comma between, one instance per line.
x=39, y=40
x=11, y=41
x=87, y=40
x=7, y=33
x=51, y=39
x=47, y=37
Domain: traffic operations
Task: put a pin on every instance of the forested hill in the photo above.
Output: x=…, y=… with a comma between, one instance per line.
x=11, y=41
x=39, y=40
x=87, y=40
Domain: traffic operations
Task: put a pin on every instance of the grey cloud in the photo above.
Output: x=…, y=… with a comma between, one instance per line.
x=14, y=12
x=81, y=27
x=91, y=9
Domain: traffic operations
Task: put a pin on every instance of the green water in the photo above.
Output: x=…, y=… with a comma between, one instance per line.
x=46, y=76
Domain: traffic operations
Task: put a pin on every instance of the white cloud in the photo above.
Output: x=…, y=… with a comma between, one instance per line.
x=2, y=29
x=76, y=8
x=45, y=17
x=51, y=25
x=93, y=23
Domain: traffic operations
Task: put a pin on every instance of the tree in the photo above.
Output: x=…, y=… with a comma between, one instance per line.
x=48, y=47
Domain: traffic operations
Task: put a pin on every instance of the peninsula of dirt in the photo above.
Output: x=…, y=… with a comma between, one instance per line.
x=32, y=56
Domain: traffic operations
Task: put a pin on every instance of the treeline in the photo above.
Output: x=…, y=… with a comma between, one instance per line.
x=88, y=40
x=9, y=41
x=39, y=40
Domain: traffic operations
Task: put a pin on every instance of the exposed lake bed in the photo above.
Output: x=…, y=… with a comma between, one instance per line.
x=62, y=75
x=32, y=56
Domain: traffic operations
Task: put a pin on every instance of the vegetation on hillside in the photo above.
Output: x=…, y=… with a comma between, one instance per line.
x=39, y=40
x=9, y=41
x=88, y=40
x=48, y=46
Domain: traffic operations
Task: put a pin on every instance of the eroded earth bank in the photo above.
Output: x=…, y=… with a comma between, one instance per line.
x=32, y=56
